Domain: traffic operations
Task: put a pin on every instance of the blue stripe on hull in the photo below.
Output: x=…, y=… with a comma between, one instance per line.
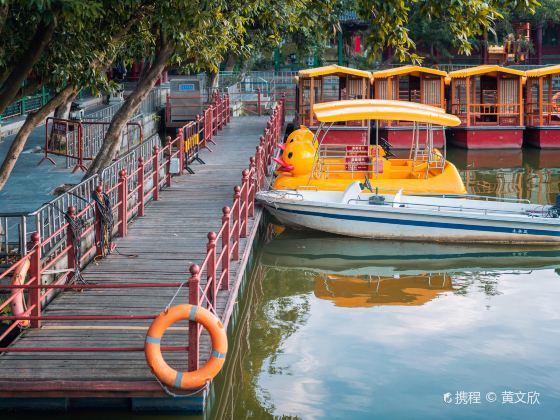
x=422, y=223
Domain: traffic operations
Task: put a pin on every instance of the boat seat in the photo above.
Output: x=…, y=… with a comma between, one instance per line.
x=352, y=192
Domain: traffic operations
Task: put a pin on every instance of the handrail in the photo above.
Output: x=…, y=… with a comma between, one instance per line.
x=224, y=246
x=131, y=191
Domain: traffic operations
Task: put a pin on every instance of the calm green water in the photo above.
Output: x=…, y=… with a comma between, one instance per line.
x=339, y=328
x=342, y=328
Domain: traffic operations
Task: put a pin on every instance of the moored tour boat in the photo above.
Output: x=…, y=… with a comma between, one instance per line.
x=418, y=218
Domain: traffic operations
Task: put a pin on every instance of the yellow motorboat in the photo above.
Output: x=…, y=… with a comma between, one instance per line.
x=307, y=163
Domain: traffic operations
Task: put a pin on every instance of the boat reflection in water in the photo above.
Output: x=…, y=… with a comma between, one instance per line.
x=353, y=272
x=362, y=292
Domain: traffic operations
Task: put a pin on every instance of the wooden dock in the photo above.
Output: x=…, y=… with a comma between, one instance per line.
x=159, y=247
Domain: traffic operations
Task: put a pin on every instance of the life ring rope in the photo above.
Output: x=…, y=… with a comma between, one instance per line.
x=166, y=375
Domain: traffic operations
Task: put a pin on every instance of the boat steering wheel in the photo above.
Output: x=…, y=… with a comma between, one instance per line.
x=366, y=184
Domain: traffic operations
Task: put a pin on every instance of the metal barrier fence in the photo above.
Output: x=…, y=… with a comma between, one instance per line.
x=130, y=200
x=26, y=104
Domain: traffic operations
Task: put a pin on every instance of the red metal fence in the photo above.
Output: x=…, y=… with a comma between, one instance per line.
x=222, y=247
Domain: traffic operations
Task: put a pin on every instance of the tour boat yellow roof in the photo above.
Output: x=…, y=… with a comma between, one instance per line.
x=332, y=70
x=543, y=71
x=486, y=69
x=404, y=70
x=353, y=103
x=373, y=109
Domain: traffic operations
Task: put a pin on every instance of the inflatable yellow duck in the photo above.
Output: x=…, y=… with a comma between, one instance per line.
x=302, y=165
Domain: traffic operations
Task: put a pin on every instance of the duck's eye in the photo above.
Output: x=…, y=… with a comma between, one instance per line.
x=292, y=140
x=290, y=155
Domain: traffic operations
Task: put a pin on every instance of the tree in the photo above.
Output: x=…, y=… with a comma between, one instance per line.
x=390, y=20
x=77, y=57
x=22, y=48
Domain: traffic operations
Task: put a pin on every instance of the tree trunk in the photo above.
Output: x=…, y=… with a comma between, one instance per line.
x=213, y=80
x=17, y=74
x=112, y=140
x=61, y=112
x=32, y=120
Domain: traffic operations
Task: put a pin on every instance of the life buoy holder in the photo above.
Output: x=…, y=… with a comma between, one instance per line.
x=17, y=296
x=185, y=380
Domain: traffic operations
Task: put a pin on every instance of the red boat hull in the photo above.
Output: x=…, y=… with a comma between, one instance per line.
x=401, y=137
x=543, y=137
x=344, y=135
x=487, y=137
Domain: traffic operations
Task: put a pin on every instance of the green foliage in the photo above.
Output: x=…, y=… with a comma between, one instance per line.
x=463, y=19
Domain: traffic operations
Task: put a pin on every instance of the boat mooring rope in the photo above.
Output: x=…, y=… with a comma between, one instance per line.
x=103, y=206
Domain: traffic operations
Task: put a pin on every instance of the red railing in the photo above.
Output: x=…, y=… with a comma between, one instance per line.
x=129, y=200
x=223, y=247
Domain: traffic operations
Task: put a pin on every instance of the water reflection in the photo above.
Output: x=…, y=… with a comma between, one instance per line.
x=366, y=292
x=526, y=174
x=348, y=328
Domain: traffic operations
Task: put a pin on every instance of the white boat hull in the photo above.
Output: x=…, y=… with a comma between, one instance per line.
x=388, y=222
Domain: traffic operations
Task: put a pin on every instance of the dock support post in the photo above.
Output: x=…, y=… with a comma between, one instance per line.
x=155, y=173
x=141, y=173
x=181, y=147
x=237, y=221
x=123, y=200
x=71, y=255
x=168, y=161
x=225, y=248
x=245, y=202
x=98, y=233
x=252, y=186
x=34, y=295
x=259, y=102
x=194, y=284
x=211, y=269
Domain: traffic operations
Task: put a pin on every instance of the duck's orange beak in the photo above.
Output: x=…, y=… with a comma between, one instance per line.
x=282, y=146
x=283, y=166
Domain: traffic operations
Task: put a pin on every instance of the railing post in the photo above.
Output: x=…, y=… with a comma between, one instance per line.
x=262, y=145
x=259, y=168
x=181, y=141
x=252, y=186
x=98, y=233
x=259, y=102
x=167, y=110
x=123, y=200
x=71, y=255
x=214, y=120
x=236, y=218
x=141, y=174
x=168, y=161
x=155, y=172
x=194, y=298
x=211, y=269
x=244, y=201
x=226, y=250
x=34, y=295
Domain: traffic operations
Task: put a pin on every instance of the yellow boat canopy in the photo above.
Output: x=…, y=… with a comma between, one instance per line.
x=333, y=70
x=375, y=103
x=544, y=71
x=374, y=109
x=407, y=70
x=492, y=70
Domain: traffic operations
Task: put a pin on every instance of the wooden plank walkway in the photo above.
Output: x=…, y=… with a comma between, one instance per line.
x=159, y=248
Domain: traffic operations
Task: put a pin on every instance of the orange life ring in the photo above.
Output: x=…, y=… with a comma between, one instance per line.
x=185, y=380
x=18, y=299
